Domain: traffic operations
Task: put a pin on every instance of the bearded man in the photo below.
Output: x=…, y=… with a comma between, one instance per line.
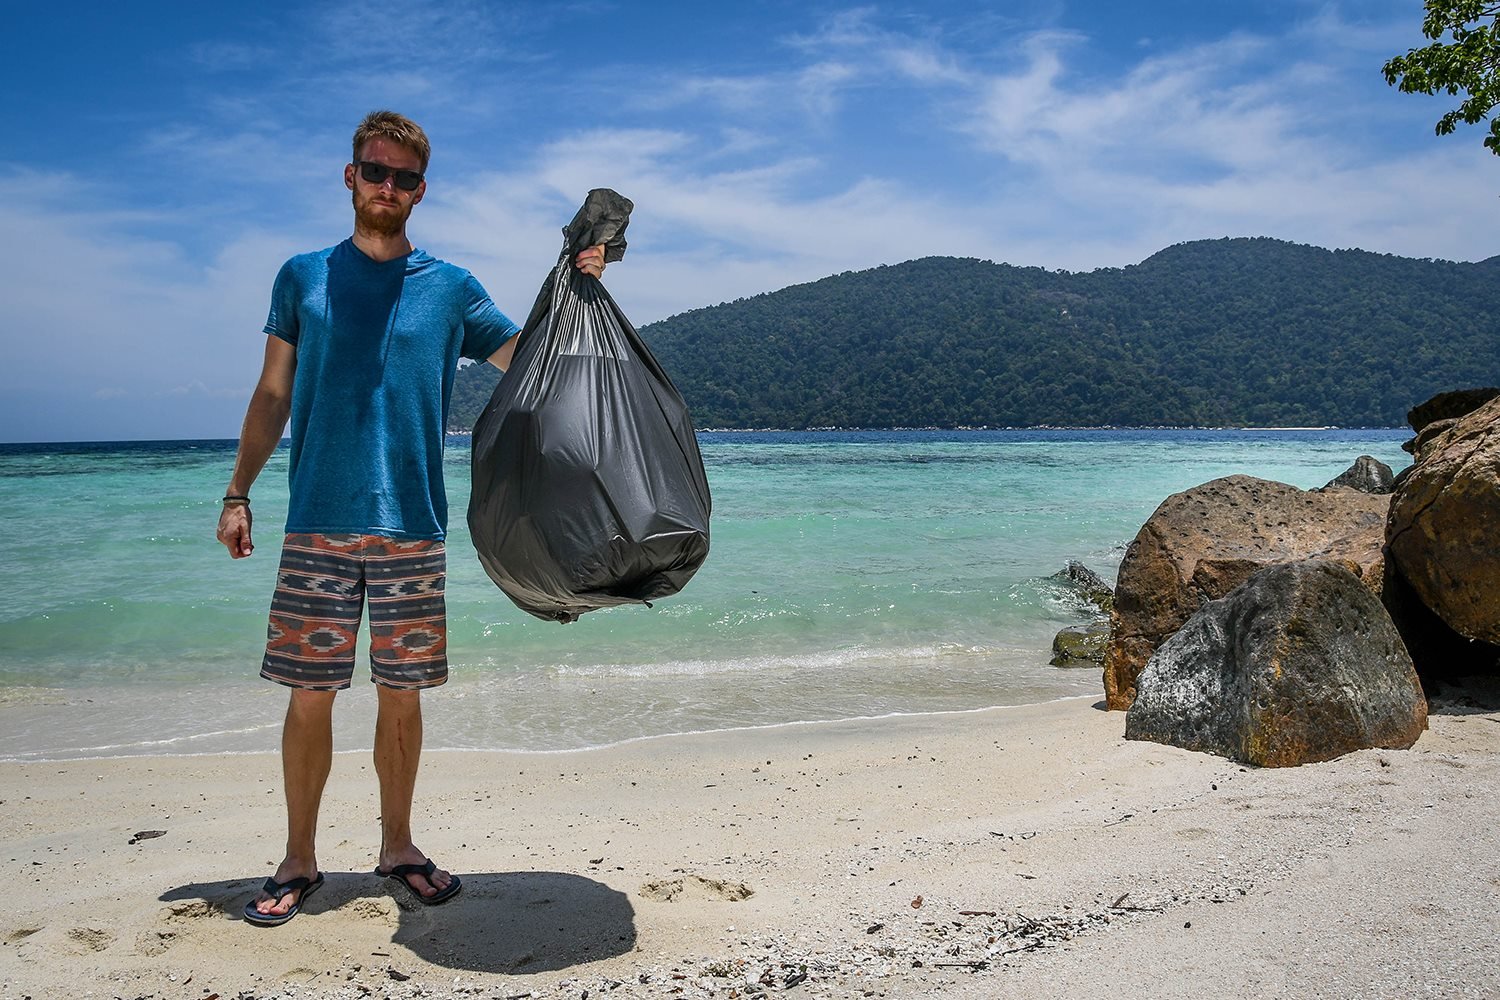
x=362, y=343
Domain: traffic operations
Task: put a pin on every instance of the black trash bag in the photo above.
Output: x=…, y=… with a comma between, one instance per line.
x=588, y=487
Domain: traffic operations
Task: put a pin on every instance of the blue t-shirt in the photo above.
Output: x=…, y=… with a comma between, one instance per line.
x=377, y=346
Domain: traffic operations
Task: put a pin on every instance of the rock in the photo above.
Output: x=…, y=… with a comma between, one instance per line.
x=1442, y=656
x=1417, y=445
x=1442, y=529
x=1449, y=406
x=1300, y=663
x=1080, y=645
x=1088, y=583
x=1368, y=474
x=1202, y=543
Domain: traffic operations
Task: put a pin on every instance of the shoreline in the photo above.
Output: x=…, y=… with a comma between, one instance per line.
x=627, y=741
x=1026, y=851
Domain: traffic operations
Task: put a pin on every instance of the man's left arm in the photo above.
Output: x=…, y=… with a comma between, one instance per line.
x=590, y=262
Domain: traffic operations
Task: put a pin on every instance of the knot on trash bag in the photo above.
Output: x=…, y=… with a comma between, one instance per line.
x=602, y=219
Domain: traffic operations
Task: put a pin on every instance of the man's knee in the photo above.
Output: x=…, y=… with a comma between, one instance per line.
x=309, y=703
x=400, y=699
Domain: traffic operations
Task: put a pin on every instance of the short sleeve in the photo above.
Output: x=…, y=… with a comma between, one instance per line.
x=282, y=322
x=486, y=328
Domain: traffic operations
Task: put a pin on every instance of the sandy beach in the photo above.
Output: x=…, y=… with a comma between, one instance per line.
x=1019, y=852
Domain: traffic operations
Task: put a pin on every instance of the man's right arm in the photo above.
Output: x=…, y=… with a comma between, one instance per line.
x=265, y=419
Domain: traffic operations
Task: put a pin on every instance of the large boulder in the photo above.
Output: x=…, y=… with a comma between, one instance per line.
x=1429, y=432
x=1202, y=543
x=1442, y=534
x=1300, y=663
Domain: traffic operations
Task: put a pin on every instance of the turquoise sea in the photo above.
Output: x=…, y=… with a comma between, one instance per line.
x=851, y=574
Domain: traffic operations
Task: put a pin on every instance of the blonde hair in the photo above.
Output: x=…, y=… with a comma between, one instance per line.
x=397, y=128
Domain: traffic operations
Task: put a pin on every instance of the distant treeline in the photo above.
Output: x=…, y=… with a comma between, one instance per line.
x=1229, y=332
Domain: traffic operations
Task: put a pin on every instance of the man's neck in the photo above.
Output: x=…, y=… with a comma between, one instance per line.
x=380, y=247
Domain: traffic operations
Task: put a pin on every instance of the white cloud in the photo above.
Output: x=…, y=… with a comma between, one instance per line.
x=1226, y=138
x=99, y=314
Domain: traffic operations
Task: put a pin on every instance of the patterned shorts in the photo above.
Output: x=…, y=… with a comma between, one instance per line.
x=320, y=589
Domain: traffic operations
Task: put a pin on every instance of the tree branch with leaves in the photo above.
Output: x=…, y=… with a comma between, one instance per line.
x=1464, y=58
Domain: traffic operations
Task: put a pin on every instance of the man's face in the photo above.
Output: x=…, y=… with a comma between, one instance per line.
x=384, y=208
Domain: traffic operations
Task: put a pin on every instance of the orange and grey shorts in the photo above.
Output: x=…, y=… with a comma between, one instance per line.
x=320, y=590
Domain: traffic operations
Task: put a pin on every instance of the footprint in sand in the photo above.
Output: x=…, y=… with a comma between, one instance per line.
x=189, y=911
x=173, y=920
x=384, y=911
x=91, y=938
x=154, y=943
x=695, y=887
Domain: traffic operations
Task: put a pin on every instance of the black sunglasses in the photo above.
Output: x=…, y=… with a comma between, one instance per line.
x=376, y=173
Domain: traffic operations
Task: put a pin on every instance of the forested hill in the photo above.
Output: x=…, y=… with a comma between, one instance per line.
x=1214, y=333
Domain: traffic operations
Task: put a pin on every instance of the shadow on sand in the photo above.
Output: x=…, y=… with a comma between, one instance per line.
x=503, y=922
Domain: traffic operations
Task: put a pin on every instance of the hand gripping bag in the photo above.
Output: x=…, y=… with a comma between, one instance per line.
x=588, y=487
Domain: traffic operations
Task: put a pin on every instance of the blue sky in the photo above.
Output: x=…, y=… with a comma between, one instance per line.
x=166, y=158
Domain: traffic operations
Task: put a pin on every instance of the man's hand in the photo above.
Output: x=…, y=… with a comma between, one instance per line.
x=591, y=261
x=234, y=529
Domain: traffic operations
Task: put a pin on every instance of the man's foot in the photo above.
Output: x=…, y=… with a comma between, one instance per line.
x=273, y=901
x=426, y=881
x=279, y=902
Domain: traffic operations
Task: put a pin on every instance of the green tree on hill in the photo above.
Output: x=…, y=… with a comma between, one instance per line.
x=1468, y=63
x=1214, y=332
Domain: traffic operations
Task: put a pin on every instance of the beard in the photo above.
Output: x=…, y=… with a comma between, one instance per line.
x=379, y=220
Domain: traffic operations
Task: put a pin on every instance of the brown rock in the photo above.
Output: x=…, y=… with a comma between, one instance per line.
x=1449, y=406
x=1444, y=527
x=1440, y=655
x=1429, y=433
x=1202, y=543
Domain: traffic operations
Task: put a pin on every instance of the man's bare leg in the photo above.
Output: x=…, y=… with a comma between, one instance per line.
x=398, y=752
x=306, y=757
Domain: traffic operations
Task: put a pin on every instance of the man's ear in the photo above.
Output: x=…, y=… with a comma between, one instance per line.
x=349, y=176
x=421, y=190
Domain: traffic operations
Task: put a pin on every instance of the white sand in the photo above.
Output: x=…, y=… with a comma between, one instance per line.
x=1105, y=868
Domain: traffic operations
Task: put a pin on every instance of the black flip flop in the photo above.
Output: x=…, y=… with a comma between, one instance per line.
x=277, y=890
x=425, y=869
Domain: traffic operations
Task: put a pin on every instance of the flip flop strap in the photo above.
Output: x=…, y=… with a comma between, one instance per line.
x=277, y=890
x=425, y=869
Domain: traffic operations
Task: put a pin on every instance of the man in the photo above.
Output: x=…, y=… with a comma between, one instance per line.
x=362, y=342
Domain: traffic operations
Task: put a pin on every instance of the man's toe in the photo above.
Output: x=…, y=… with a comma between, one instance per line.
x=270, y=906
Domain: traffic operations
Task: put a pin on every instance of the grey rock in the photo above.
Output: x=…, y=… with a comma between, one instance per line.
x=1300, y=663
x=1202, y=543
x=1368, y=474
